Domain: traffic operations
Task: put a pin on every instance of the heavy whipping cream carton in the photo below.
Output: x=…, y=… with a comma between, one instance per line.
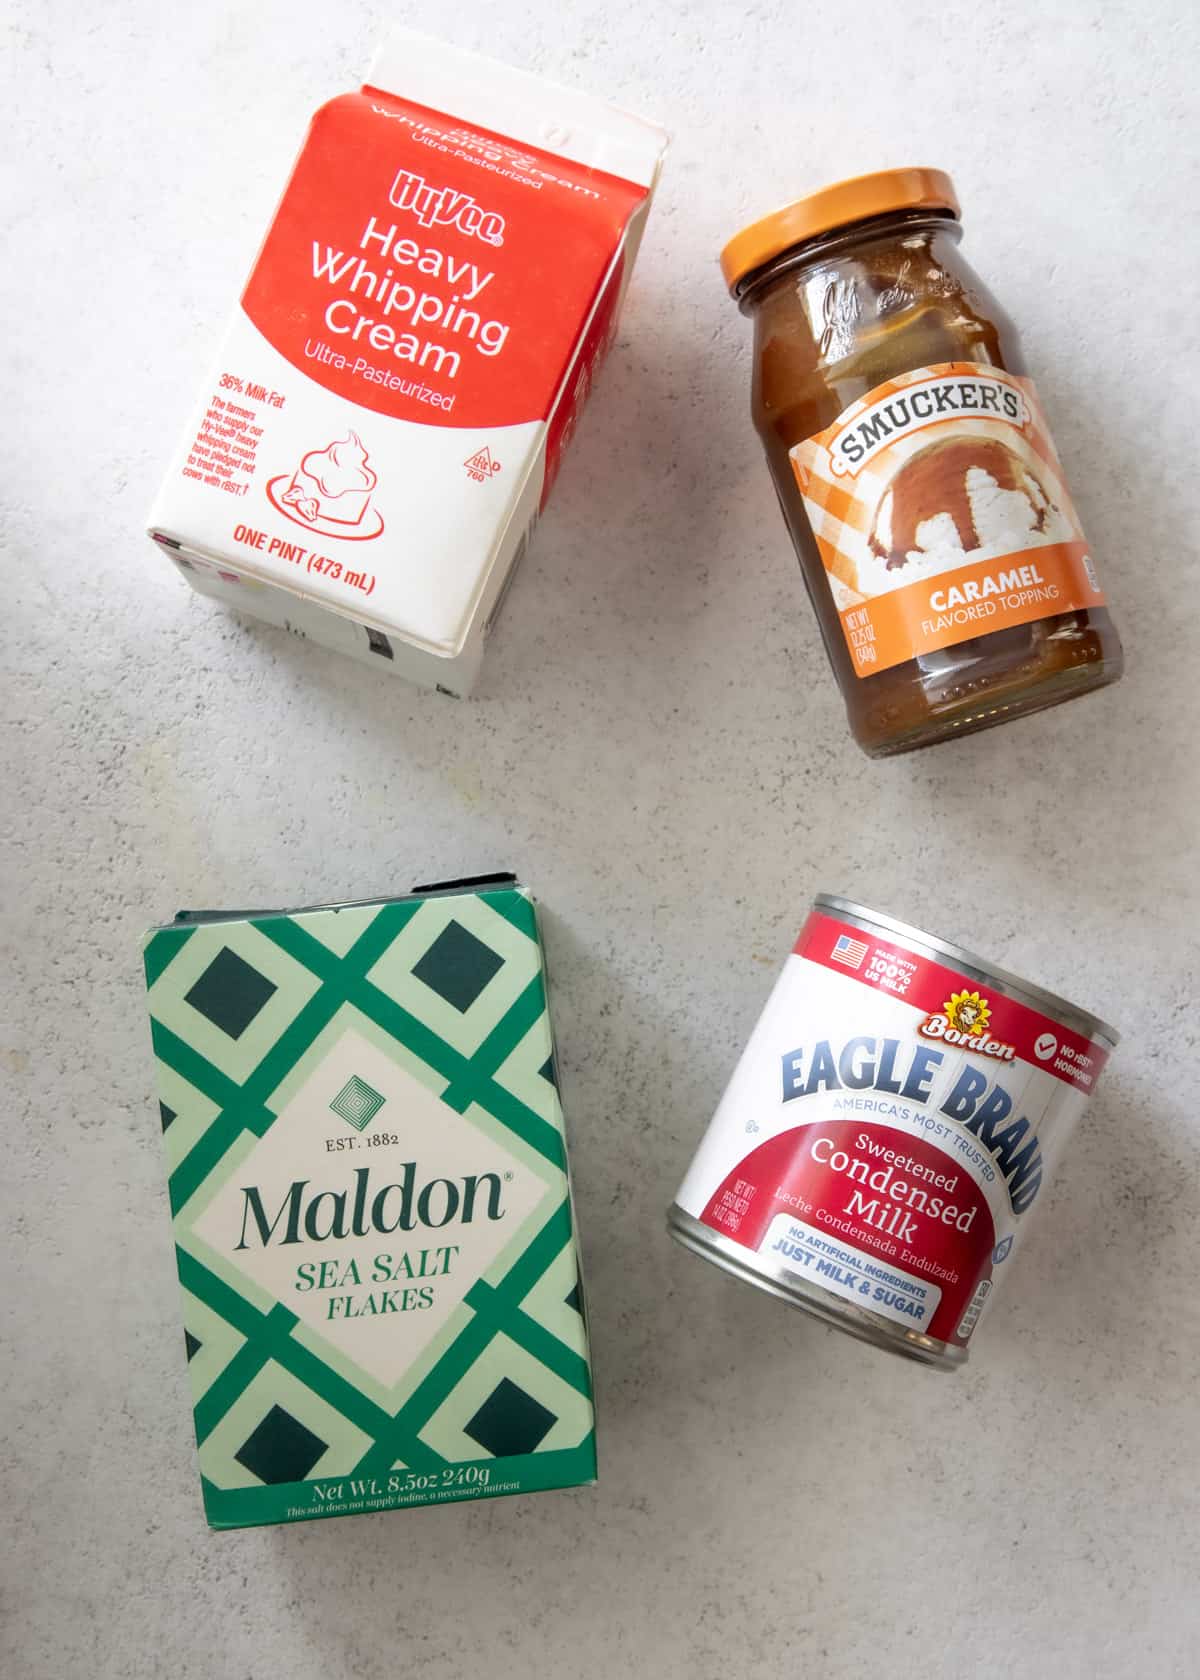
x=370, y=1203
x=422, y=325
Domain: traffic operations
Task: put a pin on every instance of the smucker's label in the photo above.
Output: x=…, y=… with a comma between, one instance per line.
x=939, y=508
x=889, y=1128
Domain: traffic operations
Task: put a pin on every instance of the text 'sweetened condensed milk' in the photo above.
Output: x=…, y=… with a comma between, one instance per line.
x=424, y=321
x=890, y=1127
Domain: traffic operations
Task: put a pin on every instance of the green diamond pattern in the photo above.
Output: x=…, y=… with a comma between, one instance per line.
x=357, y=1103
x=281, y=1449
x=457, y=985
x=230, y=993
x=458, y=965
x=510, y=1421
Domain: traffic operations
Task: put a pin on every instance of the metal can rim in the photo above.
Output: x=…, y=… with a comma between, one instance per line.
x=1068, y=1014
x=805, y=1296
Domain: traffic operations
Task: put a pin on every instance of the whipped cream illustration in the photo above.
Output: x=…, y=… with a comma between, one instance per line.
x=334, y=483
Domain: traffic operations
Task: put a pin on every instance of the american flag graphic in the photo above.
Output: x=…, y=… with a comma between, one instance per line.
x=849, y=952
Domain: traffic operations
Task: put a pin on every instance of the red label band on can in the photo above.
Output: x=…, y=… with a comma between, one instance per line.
x=889, y=1128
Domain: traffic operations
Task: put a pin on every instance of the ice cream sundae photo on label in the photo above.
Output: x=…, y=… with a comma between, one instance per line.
x=330, y=492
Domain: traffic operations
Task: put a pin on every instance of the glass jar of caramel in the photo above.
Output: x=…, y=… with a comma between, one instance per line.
x=953, y=583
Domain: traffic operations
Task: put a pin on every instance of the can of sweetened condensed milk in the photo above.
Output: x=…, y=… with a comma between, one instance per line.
x=888, y=1131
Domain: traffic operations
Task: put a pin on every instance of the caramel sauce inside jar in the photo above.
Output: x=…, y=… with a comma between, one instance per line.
x=836, y=317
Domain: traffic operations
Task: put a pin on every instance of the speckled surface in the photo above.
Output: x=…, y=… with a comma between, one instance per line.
x=657, y=747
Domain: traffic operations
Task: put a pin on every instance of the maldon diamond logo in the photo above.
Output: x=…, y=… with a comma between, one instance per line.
x=357, y=1103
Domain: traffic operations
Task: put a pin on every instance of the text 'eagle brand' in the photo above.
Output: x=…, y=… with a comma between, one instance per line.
x=983, y=1108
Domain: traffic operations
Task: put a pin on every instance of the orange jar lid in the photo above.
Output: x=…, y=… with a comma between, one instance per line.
x=856, y=200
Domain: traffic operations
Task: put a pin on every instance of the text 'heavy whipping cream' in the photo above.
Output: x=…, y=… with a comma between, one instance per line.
x=424, y=321
x=888, y=1131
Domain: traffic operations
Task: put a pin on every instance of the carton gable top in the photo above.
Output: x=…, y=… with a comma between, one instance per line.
x=518, y=104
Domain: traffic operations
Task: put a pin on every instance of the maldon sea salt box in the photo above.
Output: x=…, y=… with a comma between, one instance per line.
x=424, y=320
x=371, y=1208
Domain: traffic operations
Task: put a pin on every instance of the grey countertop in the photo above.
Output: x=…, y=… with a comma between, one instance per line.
x=657, y=747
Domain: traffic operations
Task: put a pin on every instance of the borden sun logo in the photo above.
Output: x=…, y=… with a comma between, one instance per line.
x=964, y=1021
x=968, y=1012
